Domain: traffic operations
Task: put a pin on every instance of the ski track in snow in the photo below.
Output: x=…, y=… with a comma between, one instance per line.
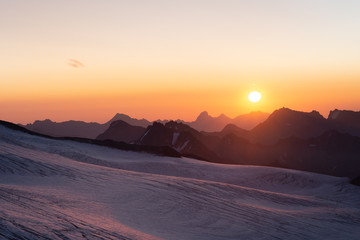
x=52, y=189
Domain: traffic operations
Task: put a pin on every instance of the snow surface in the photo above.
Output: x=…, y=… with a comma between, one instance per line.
x=52, y=189
x=180, y=148
x=175, y=137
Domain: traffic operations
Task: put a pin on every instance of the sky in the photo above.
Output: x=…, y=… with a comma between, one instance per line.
x=160, y=59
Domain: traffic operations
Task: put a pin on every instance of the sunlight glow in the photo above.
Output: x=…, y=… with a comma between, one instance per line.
x=254, y=96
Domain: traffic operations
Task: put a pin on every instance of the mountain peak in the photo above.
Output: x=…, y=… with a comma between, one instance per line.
x=289, y=113
x=223, y=117
x=122, y=131
x=158, y=125
x=284, y=123
x=316, y=114
x=119, y=116
x=132, y=121
x=203, y=115
x=37, y=122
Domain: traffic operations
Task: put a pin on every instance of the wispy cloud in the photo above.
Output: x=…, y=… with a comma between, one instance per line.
x=75, y=63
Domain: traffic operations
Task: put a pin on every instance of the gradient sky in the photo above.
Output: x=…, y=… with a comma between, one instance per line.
x=87, y=59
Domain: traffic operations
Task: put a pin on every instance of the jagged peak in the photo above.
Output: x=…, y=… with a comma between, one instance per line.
x=203, y=115
x=157, y=124
x=172, y=122
x=289, y=112
x=44, y=121
x=316, y=114
x=120, y=115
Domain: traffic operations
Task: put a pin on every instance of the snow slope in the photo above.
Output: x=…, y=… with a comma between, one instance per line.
x=57, y=189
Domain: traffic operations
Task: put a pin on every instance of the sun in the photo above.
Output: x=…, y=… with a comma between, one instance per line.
x=254, y=96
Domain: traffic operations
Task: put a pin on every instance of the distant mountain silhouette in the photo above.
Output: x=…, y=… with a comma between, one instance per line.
x=250, y=120
x=132, y=121
x=79, y=128
x=284, y=123
x=122, y=131
x=180, y=137
x=229, y=129
x=93, y=130
x=207, y=123
x=68, y=128
x=204, y=122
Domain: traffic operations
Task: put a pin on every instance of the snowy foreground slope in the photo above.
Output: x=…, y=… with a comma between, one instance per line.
x=52, y=189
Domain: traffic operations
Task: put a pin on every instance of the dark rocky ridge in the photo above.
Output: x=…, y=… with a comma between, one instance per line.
x=157, y=150
x=122, y=132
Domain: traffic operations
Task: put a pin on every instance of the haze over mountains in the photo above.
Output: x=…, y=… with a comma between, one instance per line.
x=207, y=123
x=204, y=122
x=79, y=128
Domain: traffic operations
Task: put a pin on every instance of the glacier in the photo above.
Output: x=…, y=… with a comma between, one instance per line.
x=62, y=189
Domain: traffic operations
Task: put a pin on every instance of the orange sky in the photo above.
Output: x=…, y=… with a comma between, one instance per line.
x=169, y=60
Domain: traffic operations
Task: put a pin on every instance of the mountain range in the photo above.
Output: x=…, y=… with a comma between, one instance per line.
x=204, y=122
x=79, y=128
x=290, y=139
x=287, y=138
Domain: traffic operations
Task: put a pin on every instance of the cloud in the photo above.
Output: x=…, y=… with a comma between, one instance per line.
x=75, y=63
